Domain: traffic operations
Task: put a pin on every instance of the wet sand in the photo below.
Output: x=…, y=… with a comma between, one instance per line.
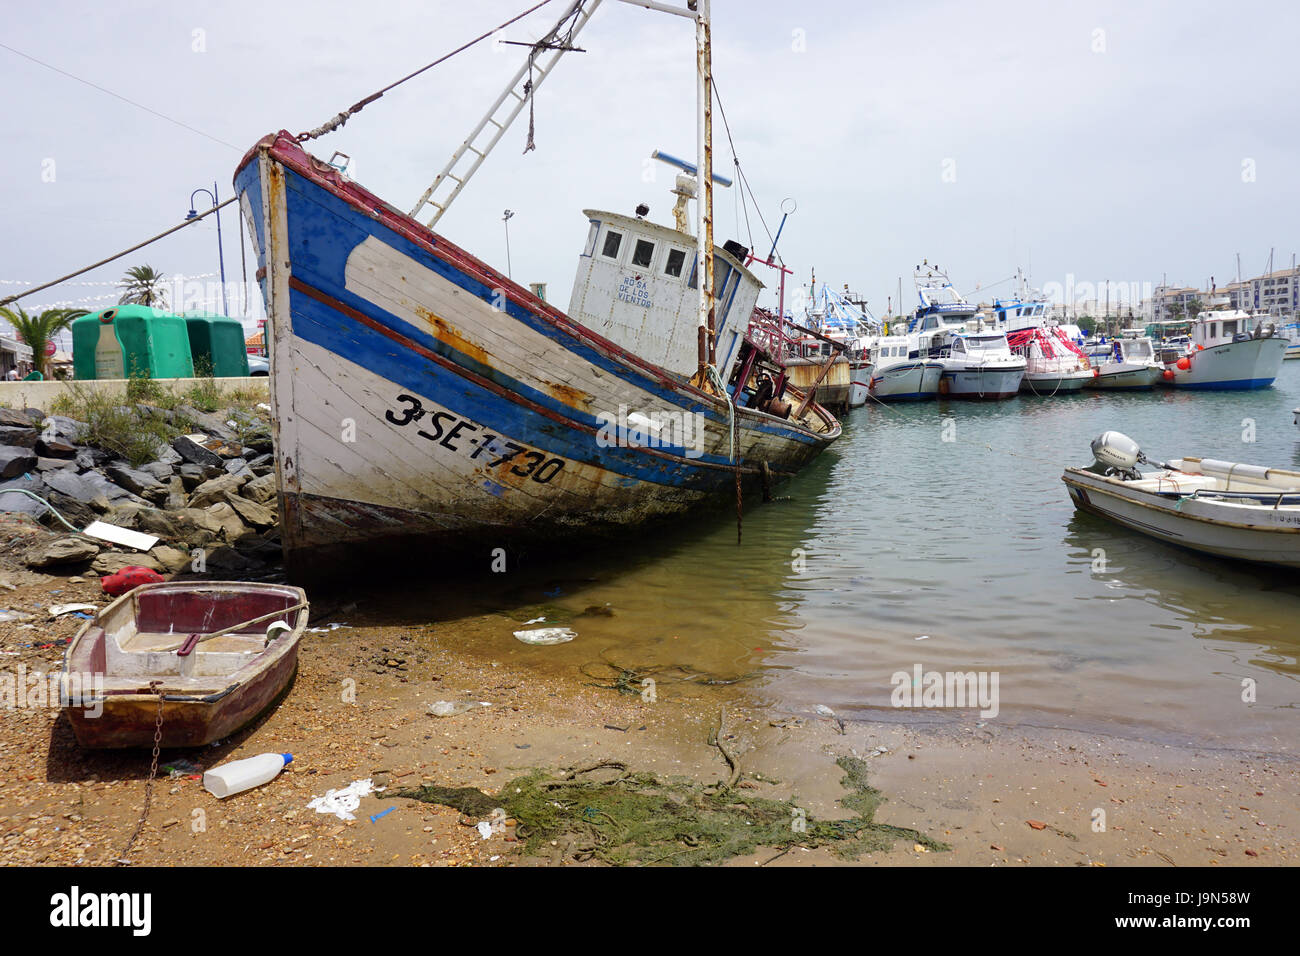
x=359, y=709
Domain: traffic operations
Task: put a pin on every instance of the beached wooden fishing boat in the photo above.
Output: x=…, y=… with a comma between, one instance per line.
x=426, y=404
x=1232, y=510
x=218, y=653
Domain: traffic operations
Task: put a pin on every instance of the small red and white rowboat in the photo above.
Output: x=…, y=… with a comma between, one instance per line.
x=218, y=654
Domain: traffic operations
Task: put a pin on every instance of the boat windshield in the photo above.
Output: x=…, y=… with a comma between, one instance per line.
x=986, y=343
x=1138, y=349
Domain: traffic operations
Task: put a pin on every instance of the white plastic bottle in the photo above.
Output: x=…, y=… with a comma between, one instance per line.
x=232, y=778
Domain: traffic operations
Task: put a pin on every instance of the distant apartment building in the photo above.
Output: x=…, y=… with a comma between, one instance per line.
x=1277, y=293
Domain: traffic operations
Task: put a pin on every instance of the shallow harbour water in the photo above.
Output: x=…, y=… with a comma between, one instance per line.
x=895, y=535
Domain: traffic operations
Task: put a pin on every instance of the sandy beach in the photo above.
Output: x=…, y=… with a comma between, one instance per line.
x=358, y=709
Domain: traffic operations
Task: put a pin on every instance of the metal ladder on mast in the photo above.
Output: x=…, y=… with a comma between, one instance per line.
x=503, y=112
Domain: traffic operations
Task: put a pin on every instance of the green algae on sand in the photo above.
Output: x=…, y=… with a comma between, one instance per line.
x=622, y=817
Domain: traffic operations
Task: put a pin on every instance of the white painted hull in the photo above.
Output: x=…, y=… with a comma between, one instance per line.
x=906, y=381
x=1126, y=375
x=860, y=383
x=1054, y=383
x=981, y=382
x=1245, y=533
x=1239, y=365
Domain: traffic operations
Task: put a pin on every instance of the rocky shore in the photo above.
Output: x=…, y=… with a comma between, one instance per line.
x=208, y=493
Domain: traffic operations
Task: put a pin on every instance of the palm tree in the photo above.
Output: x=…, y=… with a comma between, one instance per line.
x=37, y=330
x=142, y=285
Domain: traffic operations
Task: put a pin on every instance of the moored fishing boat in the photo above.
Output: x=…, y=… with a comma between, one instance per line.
x=425, y=402
x=1245, y=512
x=206, y=658
x=1127, y=364
x=1053, y=364
x=896, y=376
x=1230, y=350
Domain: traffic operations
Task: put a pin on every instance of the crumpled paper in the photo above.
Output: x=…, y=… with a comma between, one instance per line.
x=344, y=800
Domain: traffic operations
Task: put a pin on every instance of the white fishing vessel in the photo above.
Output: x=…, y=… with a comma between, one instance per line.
x=1053, y=364
x=1230, y=349
x=1245, y=512
x=977, y=364
x=1126, y=364
x=897, y=377
x=1291, y=332
x=838, y=318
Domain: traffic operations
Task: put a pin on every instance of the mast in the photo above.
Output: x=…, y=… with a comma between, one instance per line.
x=704, y=189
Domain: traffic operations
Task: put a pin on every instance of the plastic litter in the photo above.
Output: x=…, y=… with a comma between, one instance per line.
x=8, y=617
x=342, y=801
x=546, y=635
x=485, y=829
x=128, y=579
x=58, y=610
x=241, y=775
x=448, y=708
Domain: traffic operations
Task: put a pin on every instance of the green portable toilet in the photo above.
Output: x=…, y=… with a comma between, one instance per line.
x=126, y=340
x=217, y=345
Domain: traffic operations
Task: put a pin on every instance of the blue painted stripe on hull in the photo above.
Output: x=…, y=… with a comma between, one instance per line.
x=372, y=350
x=1239, y=385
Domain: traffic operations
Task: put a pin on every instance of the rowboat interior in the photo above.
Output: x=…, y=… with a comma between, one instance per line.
x=1225, y=480
x=138, y=638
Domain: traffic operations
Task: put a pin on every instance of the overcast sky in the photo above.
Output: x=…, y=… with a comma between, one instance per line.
x=1120, y=141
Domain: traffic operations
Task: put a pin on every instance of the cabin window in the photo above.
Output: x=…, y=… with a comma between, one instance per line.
x=1214, y=329
x=643, y=254
x=958, y=346
x=591, y=239
x=1229, y=328
x=676, y=260
x=612, y=242
x=721, y=273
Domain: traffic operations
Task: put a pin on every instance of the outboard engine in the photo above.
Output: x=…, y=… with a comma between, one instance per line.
x=1115, y=450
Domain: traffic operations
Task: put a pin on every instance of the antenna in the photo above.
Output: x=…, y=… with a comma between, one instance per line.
x=686, y=186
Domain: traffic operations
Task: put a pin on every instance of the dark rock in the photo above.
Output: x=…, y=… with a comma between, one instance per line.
x=88, y=458
x=110, y=562
x=65, y=549
x=24, y=436
x=258, y=515
x=159, y=471
x=215, y=489
x=77, y=512
x=16, y=418
x=213, y=423
x=60, y=436
x=195, y=453
x=227, y=560
x=75, y=486
x=166, y=455
x=22, y=503
x=15, y=461
x=137, y=482
x=261, y=489
x=194, y=475
x=51, y=464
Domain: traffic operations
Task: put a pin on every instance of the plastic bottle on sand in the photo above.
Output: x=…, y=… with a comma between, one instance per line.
x=241, y=775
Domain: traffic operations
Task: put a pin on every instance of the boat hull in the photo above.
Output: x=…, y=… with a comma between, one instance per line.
x=906, y=382
x=1264, y=536
x=1125, y=377
x=980, y=383
x=420, y=398
x=1251, y=364
x=1054, y=383
x=860, y=375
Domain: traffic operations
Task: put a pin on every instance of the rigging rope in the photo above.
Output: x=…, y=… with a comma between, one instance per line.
x=125, y=252
x=341, y=118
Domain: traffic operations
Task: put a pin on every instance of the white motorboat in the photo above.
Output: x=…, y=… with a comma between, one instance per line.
x=1244, y=512
x=896, y=376
x=1127, y=364
x=976, y=365
x=1291, y=332
x=1230, y=350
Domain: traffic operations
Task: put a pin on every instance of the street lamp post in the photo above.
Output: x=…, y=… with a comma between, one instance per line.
x=221, y=255
x=506, y=219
